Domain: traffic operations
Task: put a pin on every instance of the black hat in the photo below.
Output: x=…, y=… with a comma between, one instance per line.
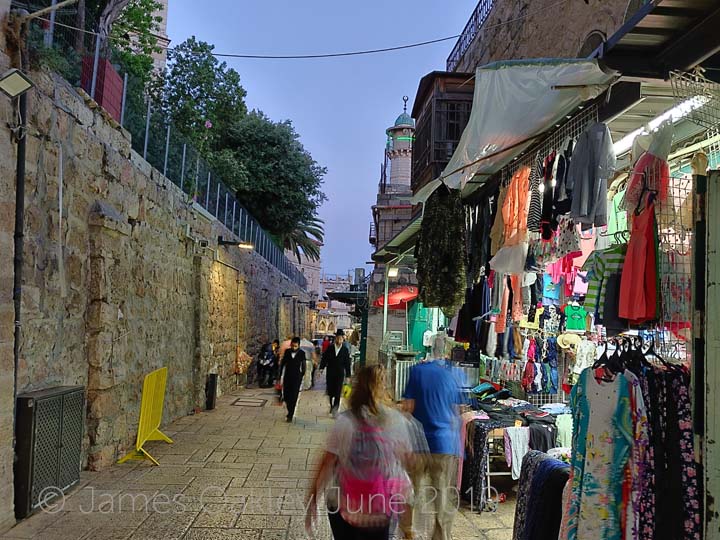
x=340, y=332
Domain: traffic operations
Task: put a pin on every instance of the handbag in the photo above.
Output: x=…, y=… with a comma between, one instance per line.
x=346, y=391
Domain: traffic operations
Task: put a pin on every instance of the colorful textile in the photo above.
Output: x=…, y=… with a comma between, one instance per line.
x=599, y=267
x=607, y=417
x=638, y=287
x=515, y=208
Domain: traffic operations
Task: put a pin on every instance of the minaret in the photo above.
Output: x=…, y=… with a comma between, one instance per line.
x=399, y=148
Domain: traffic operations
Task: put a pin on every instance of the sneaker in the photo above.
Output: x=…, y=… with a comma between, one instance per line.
x=288, y=419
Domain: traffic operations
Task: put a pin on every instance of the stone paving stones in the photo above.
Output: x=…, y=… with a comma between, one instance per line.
x=234, y=473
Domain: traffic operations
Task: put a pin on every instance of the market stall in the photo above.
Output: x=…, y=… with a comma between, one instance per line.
x=570, y=283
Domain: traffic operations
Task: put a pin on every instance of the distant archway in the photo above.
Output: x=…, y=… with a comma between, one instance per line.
x=322, y=327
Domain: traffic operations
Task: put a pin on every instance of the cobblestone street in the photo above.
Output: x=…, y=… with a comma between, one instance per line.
x=239, y=472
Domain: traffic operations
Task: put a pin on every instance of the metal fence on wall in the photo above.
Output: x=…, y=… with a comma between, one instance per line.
x=58, y=43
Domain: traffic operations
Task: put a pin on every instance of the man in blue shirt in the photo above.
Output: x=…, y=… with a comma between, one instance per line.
x=433, y=396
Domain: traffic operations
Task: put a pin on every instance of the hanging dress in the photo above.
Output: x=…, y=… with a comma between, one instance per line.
x=638, y=286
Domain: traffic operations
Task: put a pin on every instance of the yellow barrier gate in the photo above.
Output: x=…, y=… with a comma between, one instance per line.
x=151, y=409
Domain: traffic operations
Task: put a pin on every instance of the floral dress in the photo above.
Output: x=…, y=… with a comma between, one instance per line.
x=608, y=417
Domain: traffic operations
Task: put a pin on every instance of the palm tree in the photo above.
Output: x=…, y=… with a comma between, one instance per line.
x=306, y=239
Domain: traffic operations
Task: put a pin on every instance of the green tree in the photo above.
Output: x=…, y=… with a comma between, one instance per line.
x=201, y=96
x=263, y=161
x=283, y=185
x=306, y=238
x=128, y=31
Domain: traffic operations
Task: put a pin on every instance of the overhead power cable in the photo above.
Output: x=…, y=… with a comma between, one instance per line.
x=351, y=53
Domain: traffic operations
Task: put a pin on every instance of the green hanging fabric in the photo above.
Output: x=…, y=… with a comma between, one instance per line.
x=440, y=252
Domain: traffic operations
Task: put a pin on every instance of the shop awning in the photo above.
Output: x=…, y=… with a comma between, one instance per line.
x=402, y=242
x=516, y=102
x=666, y=35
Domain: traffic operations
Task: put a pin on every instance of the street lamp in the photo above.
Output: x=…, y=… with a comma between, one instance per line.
x=14, y=83
x=240, y=244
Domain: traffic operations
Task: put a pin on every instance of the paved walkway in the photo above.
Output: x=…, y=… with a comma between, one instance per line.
x=239, y=472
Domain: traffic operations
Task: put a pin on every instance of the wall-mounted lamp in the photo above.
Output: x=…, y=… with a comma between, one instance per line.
x=393, y=271
x=289, y=296
x=14, y=83
x=240, y=244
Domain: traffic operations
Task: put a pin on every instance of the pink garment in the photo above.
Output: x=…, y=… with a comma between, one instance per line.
x=587, y=246
x=517, y=307
x=581, y=285
x=501, y=322
x=466, y=419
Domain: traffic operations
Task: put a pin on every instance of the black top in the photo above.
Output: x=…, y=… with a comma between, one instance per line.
x=294, y=368
x=338, y=366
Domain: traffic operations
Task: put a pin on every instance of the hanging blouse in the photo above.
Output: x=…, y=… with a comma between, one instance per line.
x=650, y=173
x=593, y=162
x=515, y=208
x=535, y=210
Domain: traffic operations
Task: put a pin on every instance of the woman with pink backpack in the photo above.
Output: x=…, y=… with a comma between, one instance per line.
x=364, y=465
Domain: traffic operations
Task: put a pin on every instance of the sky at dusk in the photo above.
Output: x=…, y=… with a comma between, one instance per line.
x=341, y=106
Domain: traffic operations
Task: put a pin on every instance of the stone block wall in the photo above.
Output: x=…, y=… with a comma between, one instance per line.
x=116, y=282
x=523, y=29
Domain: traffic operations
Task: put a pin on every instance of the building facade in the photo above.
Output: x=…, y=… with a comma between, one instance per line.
x=508, y=30
x=391, y=214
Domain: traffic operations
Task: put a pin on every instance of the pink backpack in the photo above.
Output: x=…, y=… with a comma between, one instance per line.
x=373, y=485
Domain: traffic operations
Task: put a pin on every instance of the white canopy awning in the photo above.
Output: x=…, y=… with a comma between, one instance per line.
x=515, y=102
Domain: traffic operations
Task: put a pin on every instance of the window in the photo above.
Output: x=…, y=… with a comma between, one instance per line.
x=592, y=42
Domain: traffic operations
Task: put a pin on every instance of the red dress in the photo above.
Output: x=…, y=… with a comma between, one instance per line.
x=638, y=285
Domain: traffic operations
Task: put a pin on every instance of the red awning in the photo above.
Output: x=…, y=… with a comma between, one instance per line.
x=398, y=298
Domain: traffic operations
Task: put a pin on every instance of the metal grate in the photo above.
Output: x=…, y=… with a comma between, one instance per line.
x=700, y=96
x=71, y=439
x=45, y=450
x=675, y=230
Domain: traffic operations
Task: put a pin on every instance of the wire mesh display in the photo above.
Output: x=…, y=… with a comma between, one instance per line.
x=675, y=230
x=698, y=96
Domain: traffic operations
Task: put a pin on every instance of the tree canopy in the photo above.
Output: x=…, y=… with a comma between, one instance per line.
x=274, y=176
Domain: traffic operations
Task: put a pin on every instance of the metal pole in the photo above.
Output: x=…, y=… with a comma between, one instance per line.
x=19, y=242
x=147, y=129
x=217, y=199
x=207, y=195
x=232, y=229
x=124, y=98
x=96, y=62
x=385, y=302
x=182, y=170
x=51, y=27
x=226, y=208
x=167, y=150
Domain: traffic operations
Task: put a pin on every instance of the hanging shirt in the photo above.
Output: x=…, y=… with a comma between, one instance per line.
x=551, y=291
x=515, y=208
x=599, y=266
x=593, y=162
x=575, y=317
x=617, y=215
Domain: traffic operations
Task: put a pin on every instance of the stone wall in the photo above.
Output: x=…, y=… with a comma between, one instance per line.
x=116, y=282
x=524, y=29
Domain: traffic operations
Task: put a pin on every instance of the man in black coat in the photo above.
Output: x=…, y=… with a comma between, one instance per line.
x=293, y=368
x=336, y=359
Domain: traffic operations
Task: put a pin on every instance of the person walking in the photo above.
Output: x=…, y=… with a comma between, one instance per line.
x=293, y=363
x=336, y=359
x=363, y=464
x=433, y=396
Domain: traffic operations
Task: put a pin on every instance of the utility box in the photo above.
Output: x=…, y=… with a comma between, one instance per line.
x=49, y=434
